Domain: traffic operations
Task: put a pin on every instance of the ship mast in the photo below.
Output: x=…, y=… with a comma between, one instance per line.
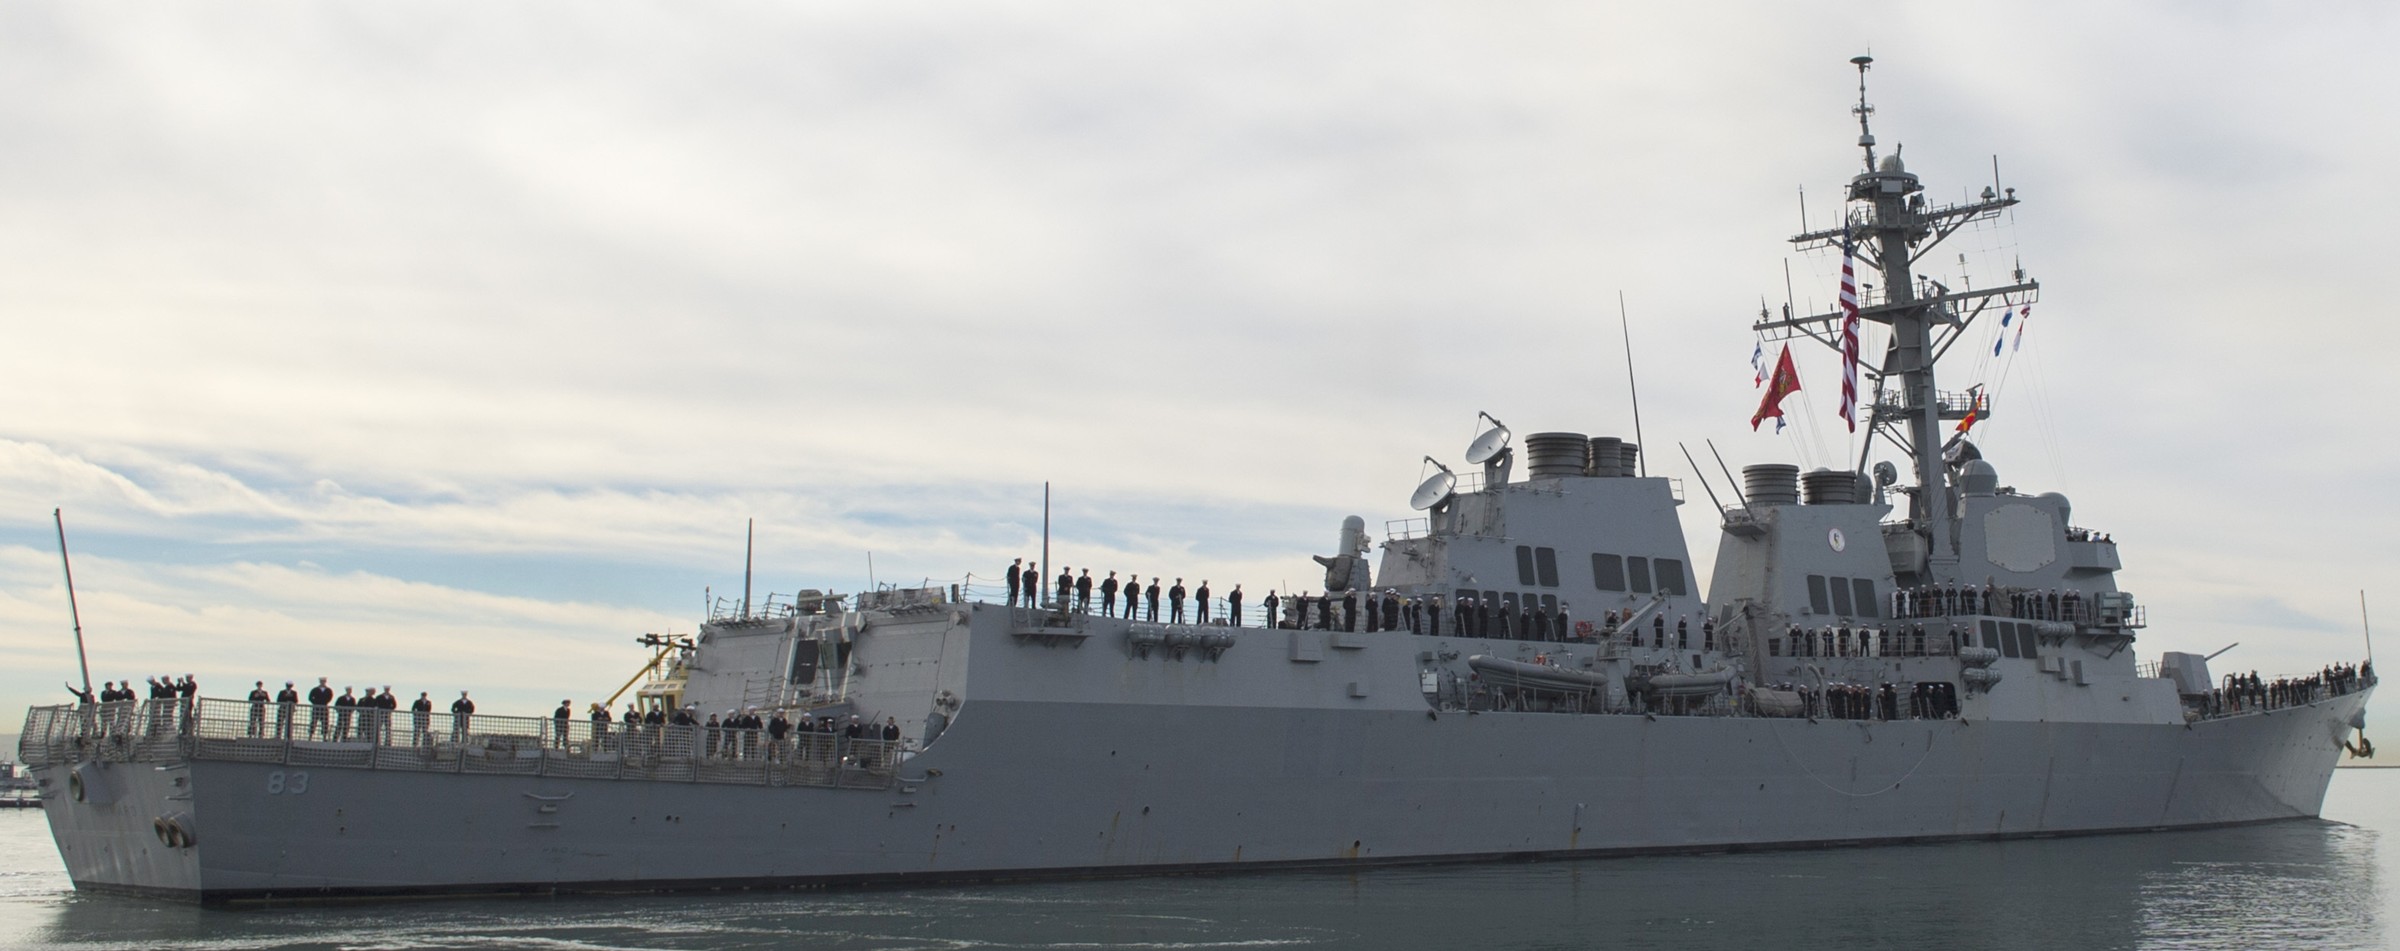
x=1889, y=226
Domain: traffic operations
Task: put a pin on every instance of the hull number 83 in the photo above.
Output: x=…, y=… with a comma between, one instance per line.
x=280, y=783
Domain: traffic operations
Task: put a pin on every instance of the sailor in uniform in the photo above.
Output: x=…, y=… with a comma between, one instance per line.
x=1016, y=567
x=1108, y=596
x=420, y=716
x=319, y=697
x=462, y=712
x=1200, y=602
x=258, y=707
x=286, y=700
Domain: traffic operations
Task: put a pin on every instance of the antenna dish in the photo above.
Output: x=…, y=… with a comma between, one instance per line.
x=1434, y=491
x=1488, y=445
x=1886, y=474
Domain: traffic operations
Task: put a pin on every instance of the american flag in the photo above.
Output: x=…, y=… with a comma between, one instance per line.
x=1849, y=341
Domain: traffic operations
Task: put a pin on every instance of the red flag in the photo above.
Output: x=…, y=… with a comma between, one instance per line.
x=1974, y=411
x=1785, y=382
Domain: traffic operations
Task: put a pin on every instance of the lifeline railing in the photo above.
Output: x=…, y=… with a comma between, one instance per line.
x=301, y=735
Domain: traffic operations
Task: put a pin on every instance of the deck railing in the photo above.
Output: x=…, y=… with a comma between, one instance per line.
x=213, y=729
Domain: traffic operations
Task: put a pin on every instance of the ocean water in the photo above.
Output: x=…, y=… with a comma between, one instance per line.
x=2310, y=884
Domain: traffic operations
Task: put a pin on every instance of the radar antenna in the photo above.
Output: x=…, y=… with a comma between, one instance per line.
x=1490, y=444
x=1866, y=139
x=1436, y=489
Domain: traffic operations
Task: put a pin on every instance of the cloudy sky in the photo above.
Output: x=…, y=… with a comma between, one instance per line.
x=450, y=345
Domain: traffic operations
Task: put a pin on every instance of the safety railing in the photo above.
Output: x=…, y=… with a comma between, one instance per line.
x=2236, y=695
x=372, y=738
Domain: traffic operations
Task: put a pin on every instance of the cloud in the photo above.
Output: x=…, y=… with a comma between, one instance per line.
x=531, y=302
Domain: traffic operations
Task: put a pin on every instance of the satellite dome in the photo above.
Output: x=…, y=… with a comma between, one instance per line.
x=1978, y=477
x=1891, y=163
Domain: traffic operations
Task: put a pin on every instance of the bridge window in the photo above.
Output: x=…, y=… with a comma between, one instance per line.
x=1863, y=597
x=1545, y=567
x=1608, y=572
x=1637, y=573
x=1670, y=576
x=1525, y=565
x=1816, y=595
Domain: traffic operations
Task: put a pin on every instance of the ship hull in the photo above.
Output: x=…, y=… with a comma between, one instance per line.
x=1023, y=789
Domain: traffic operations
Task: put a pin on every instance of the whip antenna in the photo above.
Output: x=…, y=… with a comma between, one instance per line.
x=1625, y=326
x=77, y=615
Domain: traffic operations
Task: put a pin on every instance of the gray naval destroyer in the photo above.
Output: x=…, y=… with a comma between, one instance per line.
x=1528, y=670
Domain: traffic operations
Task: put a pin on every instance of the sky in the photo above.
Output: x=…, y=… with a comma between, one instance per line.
x=451, y=346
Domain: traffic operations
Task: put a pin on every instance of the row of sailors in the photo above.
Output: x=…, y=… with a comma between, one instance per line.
x=1926, y=699
x=2246, y=693
x=744, y=736
x=1951, y=599
x=1856, y=642
x=734, y=735
x=1382, y=611
x=1387, y=610
x=163, y=716
x=1495, y=619
x=1074, y=592
x=350, y=717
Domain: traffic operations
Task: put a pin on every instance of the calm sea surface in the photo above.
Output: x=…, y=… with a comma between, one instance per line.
x=2328, y=884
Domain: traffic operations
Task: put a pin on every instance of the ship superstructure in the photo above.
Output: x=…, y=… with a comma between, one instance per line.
x=1527, y=669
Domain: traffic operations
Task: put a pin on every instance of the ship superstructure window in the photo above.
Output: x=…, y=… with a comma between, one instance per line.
x=1537, y=566
x=2011, y=639
x=2002, y=637
x=1670, y=576
x=1608, y=572
x=1863, y=597
x=1847, y=597
x=1623, y=573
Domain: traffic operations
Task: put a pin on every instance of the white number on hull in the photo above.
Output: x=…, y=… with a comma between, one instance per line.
x=279, y=784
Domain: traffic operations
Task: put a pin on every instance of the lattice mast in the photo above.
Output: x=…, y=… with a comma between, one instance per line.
x=1889, y=226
